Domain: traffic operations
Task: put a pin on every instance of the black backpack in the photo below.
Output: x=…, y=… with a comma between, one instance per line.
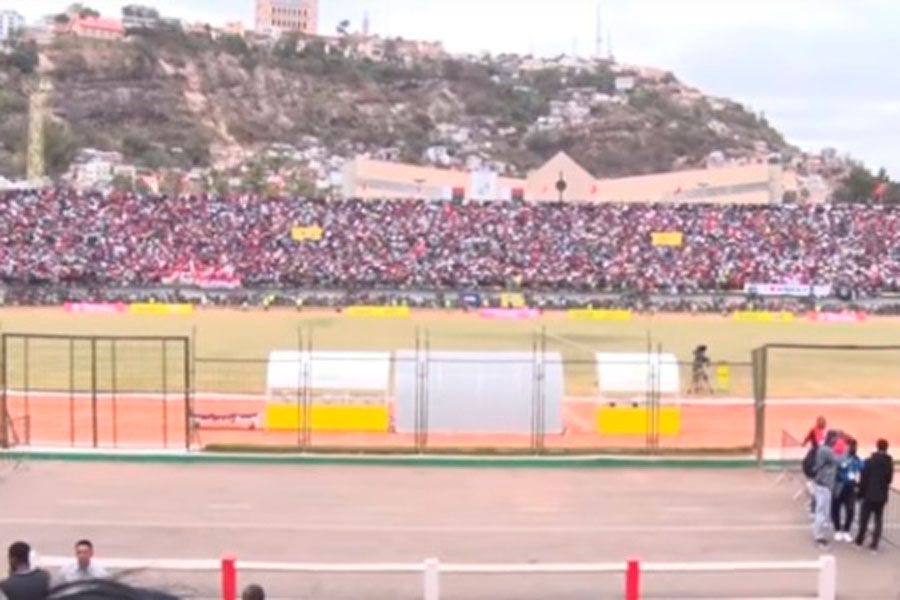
x=809, y=463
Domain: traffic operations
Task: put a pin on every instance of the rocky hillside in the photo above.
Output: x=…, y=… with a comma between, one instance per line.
x=178, y=99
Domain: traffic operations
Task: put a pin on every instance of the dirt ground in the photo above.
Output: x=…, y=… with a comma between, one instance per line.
x=379, y=514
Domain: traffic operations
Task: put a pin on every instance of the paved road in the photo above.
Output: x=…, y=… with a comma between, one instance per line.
x=349, y=514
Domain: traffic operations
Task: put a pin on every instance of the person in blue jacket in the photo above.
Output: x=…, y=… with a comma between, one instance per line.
x=845, y=487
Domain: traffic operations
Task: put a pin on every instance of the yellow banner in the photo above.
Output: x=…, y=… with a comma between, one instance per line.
x=312, y=233
x=151, y=308
x=329, y=418
x=592, y=314
x=667, y=238
x=723, y=377
x=382, y=312
x=510, y=300
x=763, y=316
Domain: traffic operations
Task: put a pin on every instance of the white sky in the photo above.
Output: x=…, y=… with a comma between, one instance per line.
x=822, y=70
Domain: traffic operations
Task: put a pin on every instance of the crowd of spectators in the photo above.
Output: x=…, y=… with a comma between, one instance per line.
x=86, y=239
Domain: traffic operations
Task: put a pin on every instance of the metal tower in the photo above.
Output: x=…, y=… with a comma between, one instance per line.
x=598, y=48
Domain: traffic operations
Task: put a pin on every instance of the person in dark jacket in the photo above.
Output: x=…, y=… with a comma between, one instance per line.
x=874, y=490
x=24, y=582
x=844, y=499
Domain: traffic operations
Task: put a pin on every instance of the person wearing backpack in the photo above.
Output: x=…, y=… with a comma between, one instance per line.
x=813, y=439
x=824, y=478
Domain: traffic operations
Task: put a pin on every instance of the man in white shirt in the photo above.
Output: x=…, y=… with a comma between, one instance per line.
x=83, y=568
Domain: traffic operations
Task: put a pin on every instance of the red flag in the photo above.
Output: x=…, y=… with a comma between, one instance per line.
x=879, y=191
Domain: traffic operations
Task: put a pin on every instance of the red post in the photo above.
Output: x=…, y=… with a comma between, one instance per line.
x=633, y=580
x=229, y=577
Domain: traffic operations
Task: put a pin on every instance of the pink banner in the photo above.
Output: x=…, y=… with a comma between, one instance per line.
x=509, y=313
x=95, y=308
x=838, y=317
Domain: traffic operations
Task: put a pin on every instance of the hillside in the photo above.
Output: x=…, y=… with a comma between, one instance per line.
x=178, y=99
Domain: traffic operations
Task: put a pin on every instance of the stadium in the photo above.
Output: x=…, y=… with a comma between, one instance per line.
x=436, y=382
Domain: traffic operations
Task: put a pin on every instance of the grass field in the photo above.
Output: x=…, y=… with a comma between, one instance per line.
x=250, y=336
x=232, y=346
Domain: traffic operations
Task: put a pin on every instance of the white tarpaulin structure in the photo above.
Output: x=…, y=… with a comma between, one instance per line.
x=348, y=371
x=636, y=372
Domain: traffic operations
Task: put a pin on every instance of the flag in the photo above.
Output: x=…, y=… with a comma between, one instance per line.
x=879, y=191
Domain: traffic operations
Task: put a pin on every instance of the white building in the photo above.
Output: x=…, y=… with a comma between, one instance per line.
x=10, y=22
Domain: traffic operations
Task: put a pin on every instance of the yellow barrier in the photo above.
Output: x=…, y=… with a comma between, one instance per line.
x=629, y=420
x=591, y=314
x=763, y=316
x=384, y=312
x=150, y=308
x=329, y=418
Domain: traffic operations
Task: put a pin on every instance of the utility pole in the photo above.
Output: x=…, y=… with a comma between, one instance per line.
x=598, y=48
x=37, y=108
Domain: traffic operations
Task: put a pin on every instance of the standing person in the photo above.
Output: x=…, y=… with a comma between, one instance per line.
x=874, y=490
x=700, y=372
x=848, y=476
x=24, y=581
x=824, y=477
x=816, y=435
x=814, y=438
x=82, y=567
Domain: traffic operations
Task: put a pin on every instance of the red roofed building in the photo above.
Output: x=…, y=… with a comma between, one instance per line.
x=96, y=28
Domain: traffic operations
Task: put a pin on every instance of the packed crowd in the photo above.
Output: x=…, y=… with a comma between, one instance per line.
x=69, y=238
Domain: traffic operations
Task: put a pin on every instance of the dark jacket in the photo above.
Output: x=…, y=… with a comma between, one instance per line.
x=32, y=585
x=877, y=475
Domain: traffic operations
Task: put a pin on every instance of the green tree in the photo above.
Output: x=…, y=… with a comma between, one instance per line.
x=234, y=45
x=300, y=187
x=218, y=183
x=856, y=187
x=60, y=147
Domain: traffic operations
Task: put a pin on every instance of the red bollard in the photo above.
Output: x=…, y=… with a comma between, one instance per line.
x=229, y=577
x=633, y=580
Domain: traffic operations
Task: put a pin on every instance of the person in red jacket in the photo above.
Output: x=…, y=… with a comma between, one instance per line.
x=816, y=435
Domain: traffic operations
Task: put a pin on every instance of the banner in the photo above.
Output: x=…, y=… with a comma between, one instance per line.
x=797, y=290
x=723, y=378
x=311, y=233
x=510, y=314
x=95, y=308
x=483, y=185
x=151, y=308
x=838, y=317
x=203, y=278
x=763, y=316
x=512, y=300
x=673, y=239
x=383, y=312
x=591, y=314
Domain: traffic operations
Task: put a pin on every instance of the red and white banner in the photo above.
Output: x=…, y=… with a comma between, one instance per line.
x=95, y=308
x=838, y=317
x=208, y=278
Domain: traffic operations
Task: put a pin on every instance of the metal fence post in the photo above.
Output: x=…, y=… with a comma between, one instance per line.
x=94, y=431
x=759, y=360
x=4, y=434
x=165, y=394
x=189, y=357
x=71, y=391
x=113, y=346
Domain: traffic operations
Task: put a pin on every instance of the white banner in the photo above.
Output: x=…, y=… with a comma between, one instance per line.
x=798, y=290
x=483, y=185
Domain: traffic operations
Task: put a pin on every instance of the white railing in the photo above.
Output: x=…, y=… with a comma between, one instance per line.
x=431, y=570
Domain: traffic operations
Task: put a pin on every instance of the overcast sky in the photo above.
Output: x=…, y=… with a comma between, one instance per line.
x=822, y=70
